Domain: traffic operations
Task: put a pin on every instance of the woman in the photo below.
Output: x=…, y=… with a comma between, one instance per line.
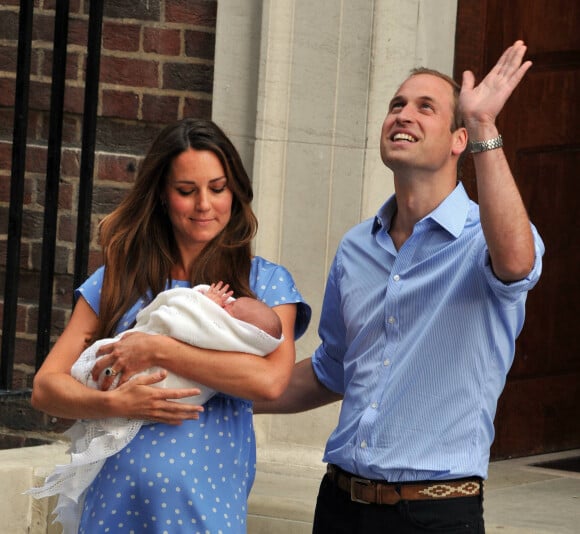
x=186, y=221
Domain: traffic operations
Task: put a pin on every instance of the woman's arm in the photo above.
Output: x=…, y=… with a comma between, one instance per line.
x=235, y=373
x=57, y=393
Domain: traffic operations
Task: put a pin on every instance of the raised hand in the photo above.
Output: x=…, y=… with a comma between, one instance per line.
x=482, y=103
x=219, y=293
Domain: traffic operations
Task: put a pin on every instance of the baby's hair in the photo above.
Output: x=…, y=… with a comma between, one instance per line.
x=261, y=315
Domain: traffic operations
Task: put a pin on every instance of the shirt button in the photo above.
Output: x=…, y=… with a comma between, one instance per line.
x=396, y=278
x=363, y=444
x=391, y=320
x=374, y=405
x=387, y=362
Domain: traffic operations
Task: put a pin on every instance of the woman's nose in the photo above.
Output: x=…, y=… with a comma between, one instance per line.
x=202, y=202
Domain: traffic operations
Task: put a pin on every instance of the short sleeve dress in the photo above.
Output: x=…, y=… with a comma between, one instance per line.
x=192, y=478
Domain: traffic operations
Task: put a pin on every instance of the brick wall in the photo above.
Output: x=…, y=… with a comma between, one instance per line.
x=156, y=66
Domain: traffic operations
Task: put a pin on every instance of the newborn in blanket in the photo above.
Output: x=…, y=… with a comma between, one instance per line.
x=196, y=316
x=204, y=316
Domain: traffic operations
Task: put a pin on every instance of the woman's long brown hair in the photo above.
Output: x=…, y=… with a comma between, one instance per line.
x=138, y=243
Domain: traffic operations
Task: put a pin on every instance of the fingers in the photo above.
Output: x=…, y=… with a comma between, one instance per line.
x=510, y=66
x=219, y=292
x=172, y=412
x=468, y=81
x=139, y=399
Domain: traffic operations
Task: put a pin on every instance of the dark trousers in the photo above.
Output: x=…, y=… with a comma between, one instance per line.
x=337, y=514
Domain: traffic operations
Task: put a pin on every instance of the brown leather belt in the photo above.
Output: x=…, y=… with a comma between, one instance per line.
x=376, y=492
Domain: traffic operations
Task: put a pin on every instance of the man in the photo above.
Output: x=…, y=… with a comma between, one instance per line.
x=421, y=311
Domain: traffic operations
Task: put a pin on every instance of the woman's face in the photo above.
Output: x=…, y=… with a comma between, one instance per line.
x=197, y=198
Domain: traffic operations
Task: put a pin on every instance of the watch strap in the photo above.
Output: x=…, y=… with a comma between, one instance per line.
x=483, y=146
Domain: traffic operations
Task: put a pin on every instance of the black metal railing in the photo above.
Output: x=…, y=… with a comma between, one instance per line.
x=54, y=149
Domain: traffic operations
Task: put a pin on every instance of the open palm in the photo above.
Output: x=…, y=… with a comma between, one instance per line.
x=482, y=103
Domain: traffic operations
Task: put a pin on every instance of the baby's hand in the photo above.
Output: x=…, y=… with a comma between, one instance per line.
x=219, y=293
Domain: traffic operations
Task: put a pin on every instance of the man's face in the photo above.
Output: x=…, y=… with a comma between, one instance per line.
x=416, y=133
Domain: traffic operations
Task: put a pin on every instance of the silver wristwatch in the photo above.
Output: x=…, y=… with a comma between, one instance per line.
x=482, y=146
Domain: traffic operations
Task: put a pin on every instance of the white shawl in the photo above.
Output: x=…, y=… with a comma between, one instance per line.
x=183, y=313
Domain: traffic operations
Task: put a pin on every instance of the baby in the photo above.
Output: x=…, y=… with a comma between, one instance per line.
x=193, y=319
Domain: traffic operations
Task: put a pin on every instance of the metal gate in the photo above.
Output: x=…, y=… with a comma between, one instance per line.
x=54, y=145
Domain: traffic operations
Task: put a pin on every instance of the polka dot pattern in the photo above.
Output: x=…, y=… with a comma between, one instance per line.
x=194, y=478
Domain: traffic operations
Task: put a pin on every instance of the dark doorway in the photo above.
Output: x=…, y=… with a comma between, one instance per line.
x=539, y=410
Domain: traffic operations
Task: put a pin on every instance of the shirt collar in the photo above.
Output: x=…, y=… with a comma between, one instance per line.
x=451, y=214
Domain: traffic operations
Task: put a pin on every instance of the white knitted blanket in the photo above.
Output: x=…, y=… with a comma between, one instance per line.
x=183, y=313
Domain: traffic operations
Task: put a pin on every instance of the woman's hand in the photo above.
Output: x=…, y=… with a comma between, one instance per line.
x=130, y=355
x=140, y=400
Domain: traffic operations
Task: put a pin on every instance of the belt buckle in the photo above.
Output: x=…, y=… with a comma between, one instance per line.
x=354, y=481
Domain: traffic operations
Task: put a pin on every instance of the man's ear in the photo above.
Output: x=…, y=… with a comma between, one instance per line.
x=460, y=139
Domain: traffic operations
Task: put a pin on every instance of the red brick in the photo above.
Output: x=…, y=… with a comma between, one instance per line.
x=161, y=109
x=5, y=155
x=95, y=259
x=45, y=66
x=121, y=104
x=194, y=12
x=129, y=72
x=78, y=31
x=188, y=77
x=74, y=5
x=8, y=56
x=67, y=227
x=4, y=191
x=197, y=108
x=9, y=24
x=40, y=95
x=36, y=159
x=116, y=168
x=71, y=129
x=25, y=351
x=7, y=87
x=25, y=315
x=200, y=44
x=70, y=162
x=6, y=123
x=74, y=99
x=65, y=196
x=127, y=9
x=162, y=41
x=39, y=124
x=124, y=37
x=43, y=28
x=5, y=186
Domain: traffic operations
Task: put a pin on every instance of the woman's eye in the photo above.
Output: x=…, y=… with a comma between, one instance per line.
x=185, y=192
x=219, y=189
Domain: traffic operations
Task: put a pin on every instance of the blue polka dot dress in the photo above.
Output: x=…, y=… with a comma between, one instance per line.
x=194, y=478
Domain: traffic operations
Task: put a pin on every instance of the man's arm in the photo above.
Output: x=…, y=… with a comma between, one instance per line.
x=305, y=392
x=504, y=218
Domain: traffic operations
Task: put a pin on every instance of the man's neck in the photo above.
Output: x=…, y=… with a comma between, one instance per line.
x=416, y=197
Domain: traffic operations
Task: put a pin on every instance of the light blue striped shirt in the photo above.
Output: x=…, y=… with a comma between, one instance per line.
x=419, y=342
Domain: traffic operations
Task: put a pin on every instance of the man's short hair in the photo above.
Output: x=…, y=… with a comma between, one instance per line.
x=457, y=118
